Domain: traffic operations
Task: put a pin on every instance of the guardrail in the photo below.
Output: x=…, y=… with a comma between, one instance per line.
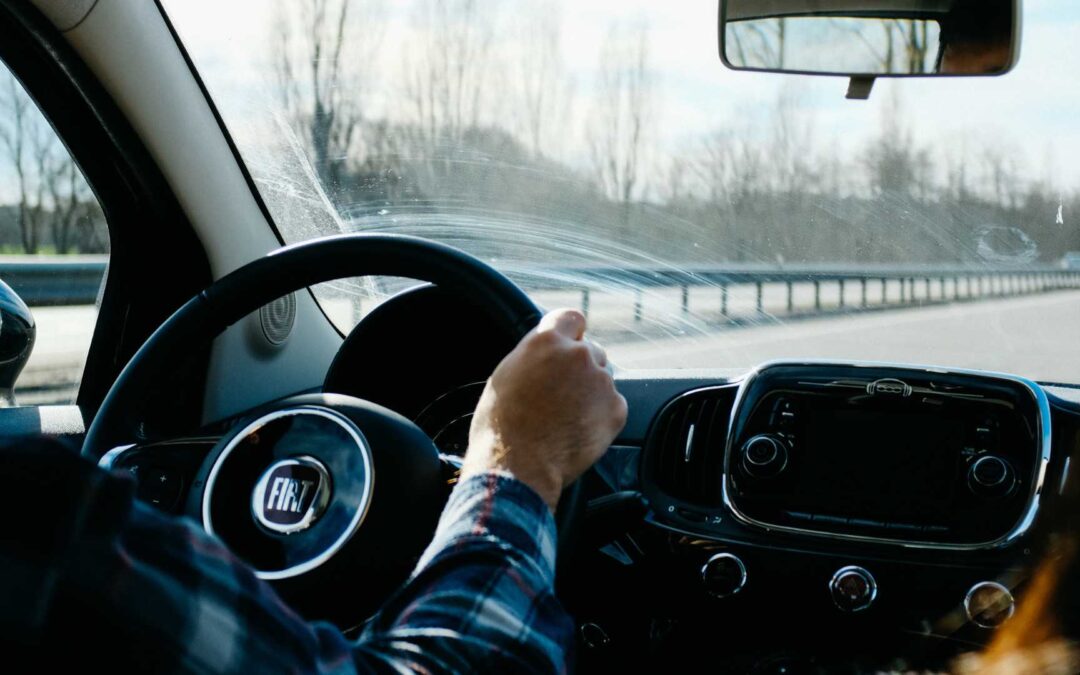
x=856, y=287
x=43, y=281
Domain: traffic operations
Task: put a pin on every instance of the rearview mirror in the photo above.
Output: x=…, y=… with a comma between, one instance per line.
x=865, y=39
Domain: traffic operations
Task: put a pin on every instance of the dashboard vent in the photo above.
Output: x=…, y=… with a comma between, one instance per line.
x=686, y=446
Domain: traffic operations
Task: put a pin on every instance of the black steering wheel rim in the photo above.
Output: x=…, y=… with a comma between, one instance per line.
x=286, y=270
x=296, y=267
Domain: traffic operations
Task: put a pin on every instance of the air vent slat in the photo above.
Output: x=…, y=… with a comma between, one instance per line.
x=687, y=445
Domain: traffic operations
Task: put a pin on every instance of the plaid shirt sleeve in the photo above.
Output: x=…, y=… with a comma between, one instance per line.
x=146, y=592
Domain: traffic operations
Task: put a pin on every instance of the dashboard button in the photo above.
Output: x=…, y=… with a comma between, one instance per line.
x=692, y=515
x=783, y=414
x=723, y=575
x=853, y=589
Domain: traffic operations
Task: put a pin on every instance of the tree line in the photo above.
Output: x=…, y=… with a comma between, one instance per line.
x=487, y=122
x=46, y=205
x=469, y=120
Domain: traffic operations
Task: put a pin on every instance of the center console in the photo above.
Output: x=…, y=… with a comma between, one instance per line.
x=893, y=455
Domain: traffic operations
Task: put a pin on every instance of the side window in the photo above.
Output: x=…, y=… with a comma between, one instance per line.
x=54, y=248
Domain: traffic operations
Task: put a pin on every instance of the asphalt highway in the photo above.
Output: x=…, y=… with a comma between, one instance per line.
x=1037, y=336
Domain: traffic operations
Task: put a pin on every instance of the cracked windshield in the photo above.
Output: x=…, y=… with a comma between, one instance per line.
x=600, y=154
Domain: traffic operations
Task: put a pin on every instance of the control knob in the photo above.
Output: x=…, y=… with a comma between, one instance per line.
x=989, y=604
x=991, y=476
x=764, y=456
x=723, y=575
x=853, y=589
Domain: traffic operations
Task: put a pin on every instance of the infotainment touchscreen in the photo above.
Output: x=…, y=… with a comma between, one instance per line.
x=883, y=464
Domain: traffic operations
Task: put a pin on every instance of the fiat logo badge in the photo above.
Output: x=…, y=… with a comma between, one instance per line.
x=291, y=495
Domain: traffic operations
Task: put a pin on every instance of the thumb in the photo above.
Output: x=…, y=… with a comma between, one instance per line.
x=569, y=323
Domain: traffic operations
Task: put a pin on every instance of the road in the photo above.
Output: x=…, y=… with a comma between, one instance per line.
x=1034, y=335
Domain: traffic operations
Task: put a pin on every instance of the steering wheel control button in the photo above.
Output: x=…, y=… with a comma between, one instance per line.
x=723, y=575
x=764, y=456
x=853, y=589
x=157, y=486
x=991, y=476
x=989, y=604
x=291, y=495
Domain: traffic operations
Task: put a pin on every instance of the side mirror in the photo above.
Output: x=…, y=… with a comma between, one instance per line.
x=17, y=333
x=866, y=39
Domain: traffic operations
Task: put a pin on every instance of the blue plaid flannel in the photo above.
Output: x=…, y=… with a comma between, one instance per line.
x=151, y=593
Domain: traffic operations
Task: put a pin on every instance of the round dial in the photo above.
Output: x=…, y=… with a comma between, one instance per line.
x=764, y=456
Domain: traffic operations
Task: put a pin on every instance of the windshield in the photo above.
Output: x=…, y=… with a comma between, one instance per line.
x=599, y=153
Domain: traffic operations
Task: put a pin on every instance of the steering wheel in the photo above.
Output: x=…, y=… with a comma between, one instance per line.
x=331, y=497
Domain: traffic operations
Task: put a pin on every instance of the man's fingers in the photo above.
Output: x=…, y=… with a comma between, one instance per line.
x=566, y=322
x=598, y=354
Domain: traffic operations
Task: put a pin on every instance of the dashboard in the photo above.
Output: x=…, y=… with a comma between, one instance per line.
x=801, y=514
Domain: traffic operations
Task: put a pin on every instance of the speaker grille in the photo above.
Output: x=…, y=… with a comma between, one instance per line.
x=277, y=319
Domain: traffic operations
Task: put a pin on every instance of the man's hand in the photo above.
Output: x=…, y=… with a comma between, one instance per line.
x=549, y=410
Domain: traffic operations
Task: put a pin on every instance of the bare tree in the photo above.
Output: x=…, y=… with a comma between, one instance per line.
x=321, y=66
x=758, y=44
x=447, y=75
x=895, y=162
x=791, y=144
x=546, y=89
x=17, y=136
x=622, y=116
x=73, y=216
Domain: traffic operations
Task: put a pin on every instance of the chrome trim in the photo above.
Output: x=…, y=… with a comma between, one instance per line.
x=109, y=458
x=1020, y=529
x=738, y=563
x=975, y=589
x=361, y=511
x=871, y=582
x=689, y=444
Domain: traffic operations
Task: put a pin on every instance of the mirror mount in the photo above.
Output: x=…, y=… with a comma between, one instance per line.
x=859, y=88
x=17, y=335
